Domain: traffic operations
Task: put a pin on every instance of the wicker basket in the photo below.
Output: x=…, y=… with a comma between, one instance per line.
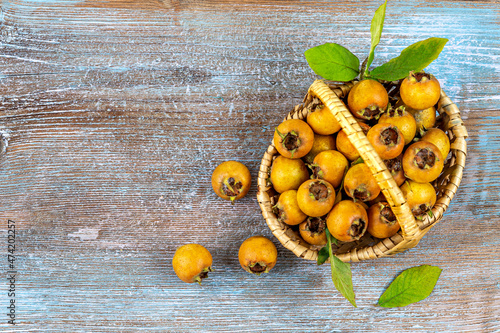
x=411, y=231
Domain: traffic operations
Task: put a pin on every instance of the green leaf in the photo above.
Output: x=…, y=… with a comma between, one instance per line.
x=411, y=286
x=341, y=273
x=376, y=32
x=413, y=58
x=333, y=62
x=323, y=255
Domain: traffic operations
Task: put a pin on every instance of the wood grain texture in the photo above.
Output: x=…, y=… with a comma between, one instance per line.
x=113, y=115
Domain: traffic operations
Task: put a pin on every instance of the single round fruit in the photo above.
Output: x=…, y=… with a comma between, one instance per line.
x=439, y=138
x=387, y=140
x=420, y=90
x=192, y=262
x=367, y=99
x=345, y=146
x=403, y=120
x=425, y=118
x=287, y=209
x=422, y=162
x=331, y=166
x=288, y=174
x=293, y=138
x=360, y=184
x=421, y=197
x=257, y=255
x=231, y=180
x=321, y=143
x=382, y=222
x=313, y=230
x=322, y=121
x=395, y=167
x=347, y=221
x=316, y=197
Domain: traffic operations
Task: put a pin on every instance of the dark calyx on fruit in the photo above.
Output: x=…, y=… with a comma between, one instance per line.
x=316, y=170
x=420, y=75
x=399, y=111
x=258, y=268
x=280, y=213
x=358, y=228
x=232, y=188
x=203, y=274
x=389, y=136
x=318, y=107
x=361, y=193
x=388, y=215
x=421, y=210
x=316, y=225
x=394, y=165
x=371, y=112
x=319, y=190
x=291, y=141
x=425, y=158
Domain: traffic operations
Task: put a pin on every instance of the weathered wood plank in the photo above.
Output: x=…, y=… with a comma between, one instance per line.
x=115, y=113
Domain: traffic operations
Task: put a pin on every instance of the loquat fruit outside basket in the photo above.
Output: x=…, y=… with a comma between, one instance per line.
x=412, y=231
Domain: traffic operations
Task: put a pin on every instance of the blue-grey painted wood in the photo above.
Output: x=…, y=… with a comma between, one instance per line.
x=113, y=115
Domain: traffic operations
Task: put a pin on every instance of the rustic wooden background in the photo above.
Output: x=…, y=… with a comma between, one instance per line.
x=114, y=113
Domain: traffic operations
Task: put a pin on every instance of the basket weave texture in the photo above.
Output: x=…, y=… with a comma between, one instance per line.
x=412, y=231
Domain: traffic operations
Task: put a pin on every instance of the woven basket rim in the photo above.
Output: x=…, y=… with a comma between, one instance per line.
x=330, y=94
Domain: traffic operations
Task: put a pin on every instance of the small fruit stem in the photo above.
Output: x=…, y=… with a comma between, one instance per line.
x=364, y=71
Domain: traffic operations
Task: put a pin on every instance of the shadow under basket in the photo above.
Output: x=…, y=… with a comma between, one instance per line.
x=368, y=247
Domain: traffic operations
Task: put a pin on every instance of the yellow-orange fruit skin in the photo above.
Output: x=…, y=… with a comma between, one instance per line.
x=378, y=225
x=360, y=184
x=310, y=237
x=257, y=250
x=295, y=128
x=439, y=138
x=345, y=146
x=190, y=260
x=426, y=173
x=323, y=122
x=403, y=120
x=321, y=143
x=386, y=150
x=312, y=206
x=288, y=207
x=365, y=94
x=418, y=194
x=235, y=170
x=343, y=216
x=332, y=166
x=288, y=174
x=419, y=93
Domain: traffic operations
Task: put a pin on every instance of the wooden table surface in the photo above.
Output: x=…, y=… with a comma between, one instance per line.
x=113, y=115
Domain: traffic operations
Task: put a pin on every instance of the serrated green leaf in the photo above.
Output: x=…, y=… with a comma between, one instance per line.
x=333, y=62
x=411, y=286
x=413, y=58
x=323, y=255
x=376, y=31
x=341, y=274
